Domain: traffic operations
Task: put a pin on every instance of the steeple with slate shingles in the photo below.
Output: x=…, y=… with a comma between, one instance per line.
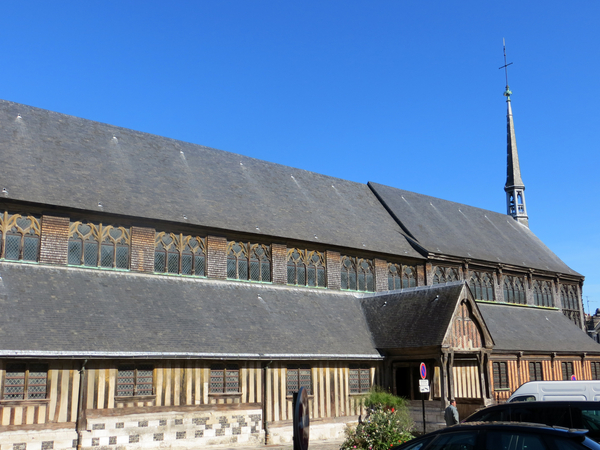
x=514, y=187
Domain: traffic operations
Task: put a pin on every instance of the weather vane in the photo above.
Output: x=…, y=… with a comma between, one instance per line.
x=507, y=93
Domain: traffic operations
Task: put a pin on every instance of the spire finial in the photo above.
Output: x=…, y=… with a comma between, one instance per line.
x=507, y=92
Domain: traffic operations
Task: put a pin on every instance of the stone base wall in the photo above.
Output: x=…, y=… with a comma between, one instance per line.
x=39, y=439
x=320, y=430
x=174, y=429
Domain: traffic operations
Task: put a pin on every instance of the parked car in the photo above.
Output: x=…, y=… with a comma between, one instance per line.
x=584, y=415
x=565, y=390
x=502, y=436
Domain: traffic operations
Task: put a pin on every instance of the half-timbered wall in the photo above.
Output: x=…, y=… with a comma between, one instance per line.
x=60, y=406
x=518, y=371
x=465, y=334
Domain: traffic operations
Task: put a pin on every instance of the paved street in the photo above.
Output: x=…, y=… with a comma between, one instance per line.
x=316, y=445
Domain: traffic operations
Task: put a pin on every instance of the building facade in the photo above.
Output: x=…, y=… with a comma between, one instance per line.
x=158, y=293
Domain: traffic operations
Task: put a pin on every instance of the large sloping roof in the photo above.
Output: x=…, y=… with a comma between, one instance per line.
x=412, y=318
x=68, y=311
x=534, y=329
x=55, y=159
x=449, y=228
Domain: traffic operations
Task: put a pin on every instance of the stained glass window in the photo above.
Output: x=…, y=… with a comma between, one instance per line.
x=247, y=261
x=224, y=379
x=297, y=377
x=357, y=274
x=482, y=285
x=98, y=245
x=445, y=275
x=514, y=289
x=359, y=379
x=401, y=276
x=135, y=380
x=181, y=254
x=25, y=381
x=305, y=268
x=570, y=304
x=19, y=237
x=542, y=293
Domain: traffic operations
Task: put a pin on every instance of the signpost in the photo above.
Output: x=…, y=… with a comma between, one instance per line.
x=573, y=378
x=423, y=389
x=301, y=421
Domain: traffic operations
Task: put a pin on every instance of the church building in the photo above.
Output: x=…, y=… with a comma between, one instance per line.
x=156, y=293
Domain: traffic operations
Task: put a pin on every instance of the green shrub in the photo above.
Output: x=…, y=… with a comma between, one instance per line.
x=388, y=424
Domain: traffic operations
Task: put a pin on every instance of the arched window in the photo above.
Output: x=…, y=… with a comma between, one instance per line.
x=178, y=253
x=445, y=275
x=401, y=276
x=305, y=268
x=482, y=285
x=514, y=290
x=247, y=261
x=19, y=237
x=542, y=293
x=98, y=245
x=570, y=305
x=357, y=274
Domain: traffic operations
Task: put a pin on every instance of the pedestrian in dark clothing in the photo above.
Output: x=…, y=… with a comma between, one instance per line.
x=451, y=413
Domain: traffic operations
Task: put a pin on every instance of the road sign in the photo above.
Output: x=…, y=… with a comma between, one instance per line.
x=573, y=378
x=424, y=386
x=423, y=371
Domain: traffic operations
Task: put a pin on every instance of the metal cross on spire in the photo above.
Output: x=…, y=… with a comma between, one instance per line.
x=507, y=93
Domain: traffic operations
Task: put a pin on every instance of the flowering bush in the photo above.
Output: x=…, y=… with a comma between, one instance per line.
x=385, y=427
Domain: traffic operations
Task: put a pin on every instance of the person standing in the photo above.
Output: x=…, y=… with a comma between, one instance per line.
x=451, y=413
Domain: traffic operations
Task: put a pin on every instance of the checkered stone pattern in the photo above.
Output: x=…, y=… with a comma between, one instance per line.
x=156, y=430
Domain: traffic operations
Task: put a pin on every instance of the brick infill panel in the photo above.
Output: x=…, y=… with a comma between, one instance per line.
x=142, y=249
x=381, y=279
x=54, y=242
x=334, y=268
x=279, y=263
x=216, y=255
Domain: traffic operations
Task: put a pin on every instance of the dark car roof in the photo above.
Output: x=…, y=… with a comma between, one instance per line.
x=540, y=404
x=517, y=427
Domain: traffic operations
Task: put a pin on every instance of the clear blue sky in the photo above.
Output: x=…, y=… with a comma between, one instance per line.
x=403, y=93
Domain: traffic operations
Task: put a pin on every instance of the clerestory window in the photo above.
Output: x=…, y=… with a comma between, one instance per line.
x=98, y=245
x=401, y=276
x=542, y=293
x=248, y=261
x=179, y=253
x=445, y=275
x=357, y=274
x=482, y=285
x=305, y=268
x=19, y=237
x=514, y=290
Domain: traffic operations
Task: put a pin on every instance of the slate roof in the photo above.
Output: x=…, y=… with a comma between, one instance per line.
x=55, y=159
x=534, y=329
x=449, y=228
x=411, y=318
x=71, y=311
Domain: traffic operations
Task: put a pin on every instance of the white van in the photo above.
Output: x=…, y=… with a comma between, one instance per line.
x=557, y=391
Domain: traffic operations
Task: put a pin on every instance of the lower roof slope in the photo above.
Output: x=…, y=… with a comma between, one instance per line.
x=534, y=329
x=449, y=228
x=56, y=159
x=412, y=318
x=78, y=312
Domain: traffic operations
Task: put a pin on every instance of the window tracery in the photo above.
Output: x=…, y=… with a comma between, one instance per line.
x=482, y=285
x=19, y=237
x=542, y=293
x=514, y=290
x=570, y=307
x=179, y=253
x=247, y=261
x=305, y=268
x=357, y=274
x=401, y=276
x=98, y=245
x=445, y=275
